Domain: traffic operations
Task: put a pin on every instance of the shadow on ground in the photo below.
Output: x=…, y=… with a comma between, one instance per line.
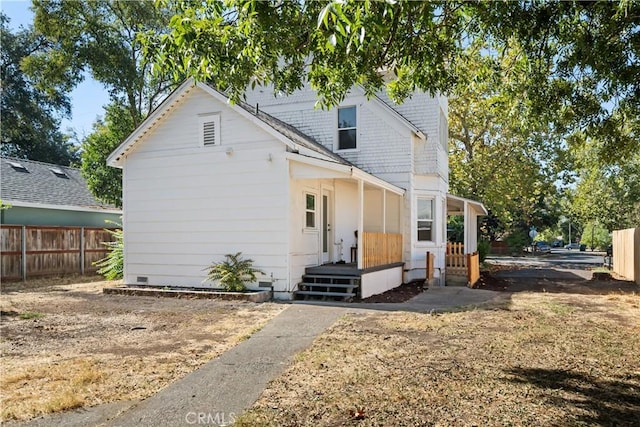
x=553, y=281
x=587, y=399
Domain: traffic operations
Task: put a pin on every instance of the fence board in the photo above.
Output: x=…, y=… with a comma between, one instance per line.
x=455, y=259
x=430, y=259
x=626, y=253
x=473, y=269
x=50, y=250
x=381, y=249
x=10, y=247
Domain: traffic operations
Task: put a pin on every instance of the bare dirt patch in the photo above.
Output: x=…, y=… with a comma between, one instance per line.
x=402, y=293
x=490, y=281
x=541, y=359
x=67, y=345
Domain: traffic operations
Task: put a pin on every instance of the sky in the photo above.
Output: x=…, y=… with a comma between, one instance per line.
x=89, y=96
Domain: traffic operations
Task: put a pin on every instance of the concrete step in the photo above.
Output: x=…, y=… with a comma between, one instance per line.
x=326, y=294
x=327, y=285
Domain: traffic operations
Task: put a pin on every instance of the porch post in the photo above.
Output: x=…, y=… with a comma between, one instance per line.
x=466, y=227
x=384, y=210
x=360, y=221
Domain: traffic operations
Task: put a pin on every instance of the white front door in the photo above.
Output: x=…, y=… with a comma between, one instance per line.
x=326, y=236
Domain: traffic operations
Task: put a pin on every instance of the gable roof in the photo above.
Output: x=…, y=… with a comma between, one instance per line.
x=294, y=134
x=282, y=131
x=38, y=183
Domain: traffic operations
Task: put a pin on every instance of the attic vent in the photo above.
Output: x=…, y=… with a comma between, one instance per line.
x=19, y=167
x=59, y=173
x=210, y=129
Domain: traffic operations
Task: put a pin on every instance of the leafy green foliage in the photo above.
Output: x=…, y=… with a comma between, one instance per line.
x=608, y=194
x=112, y=266
x=106, y=182
x=595, y=237
x=517, y=240
x=484, y=247
x=30, y=115
x=455, y=228
x=100, y=37
x=576, y=55
x=500, y=152
x=233, y=273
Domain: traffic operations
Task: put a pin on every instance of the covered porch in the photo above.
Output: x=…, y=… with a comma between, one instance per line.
x=358, y=227
x=462, y=264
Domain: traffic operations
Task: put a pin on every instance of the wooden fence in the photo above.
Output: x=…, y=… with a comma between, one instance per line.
x=455, y=259
x=457, y=263
x=34, y=251
x=473, y=269
x=626, y=253
x=381, y=249
x=429, y=261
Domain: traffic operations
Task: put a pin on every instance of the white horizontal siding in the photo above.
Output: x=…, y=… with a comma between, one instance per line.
x=188, y=205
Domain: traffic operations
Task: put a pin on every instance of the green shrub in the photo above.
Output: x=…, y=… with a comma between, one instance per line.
x=517, y=240
x=112, y=266
x=484, y=247
x=233, y=273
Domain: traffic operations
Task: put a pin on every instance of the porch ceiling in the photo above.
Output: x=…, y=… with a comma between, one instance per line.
x=455, y=205
x=304, y=167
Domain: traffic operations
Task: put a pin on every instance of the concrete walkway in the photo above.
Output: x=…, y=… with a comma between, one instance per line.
x=434, y=299
x=222, y=389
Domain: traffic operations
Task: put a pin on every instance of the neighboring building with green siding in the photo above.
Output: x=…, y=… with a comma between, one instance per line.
x=47, y=194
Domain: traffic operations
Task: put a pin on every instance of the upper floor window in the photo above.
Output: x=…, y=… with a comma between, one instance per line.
x=425, y=220
x=346, y=128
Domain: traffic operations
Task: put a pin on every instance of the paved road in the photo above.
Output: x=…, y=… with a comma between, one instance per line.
x=558, y=258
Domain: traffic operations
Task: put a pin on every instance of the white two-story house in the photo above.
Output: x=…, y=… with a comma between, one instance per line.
x=325, y=202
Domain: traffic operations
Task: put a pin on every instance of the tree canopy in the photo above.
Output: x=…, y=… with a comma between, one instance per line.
x=581, y=70
x=30, y=115
x=103, y=181
x=495, y=137
x=100, y=38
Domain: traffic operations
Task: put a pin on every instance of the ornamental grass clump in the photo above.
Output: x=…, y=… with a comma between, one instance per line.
x=234, y=273
x=112, y=266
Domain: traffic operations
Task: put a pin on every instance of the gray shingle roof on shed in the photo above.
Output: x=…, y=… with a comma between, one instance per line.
x=41, y=185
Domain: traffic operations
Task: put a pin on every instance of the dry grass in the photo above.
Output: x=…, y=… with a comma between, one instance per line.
x=64, y=346
x=543, y=359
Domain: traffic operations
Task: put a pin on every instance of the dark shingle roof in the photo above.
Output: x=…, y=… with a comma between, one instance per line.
x=40, y=183
x=291, y=132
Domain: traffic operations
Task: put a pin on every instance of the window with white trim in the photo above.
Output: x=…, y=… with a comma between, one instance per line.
x=310, y=210
x=425, y=220
x=347, y=129
x=209, y=129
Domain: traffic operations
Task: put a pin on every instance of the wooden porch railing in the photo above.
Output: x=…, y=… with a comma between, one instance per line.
x=473, y=269
x=455, y=259
x=380, y=249
x=460, y=264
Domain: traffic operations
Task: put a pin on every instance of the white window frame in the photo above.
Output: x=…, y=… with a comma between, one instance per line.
x=433, y=219
x=207, y=118
x=314, y=211
x=350, y=128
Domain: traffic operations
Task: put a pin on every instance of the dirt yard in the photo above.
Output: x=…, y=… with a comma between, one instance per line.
x=537, y=359
x=67, y=345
